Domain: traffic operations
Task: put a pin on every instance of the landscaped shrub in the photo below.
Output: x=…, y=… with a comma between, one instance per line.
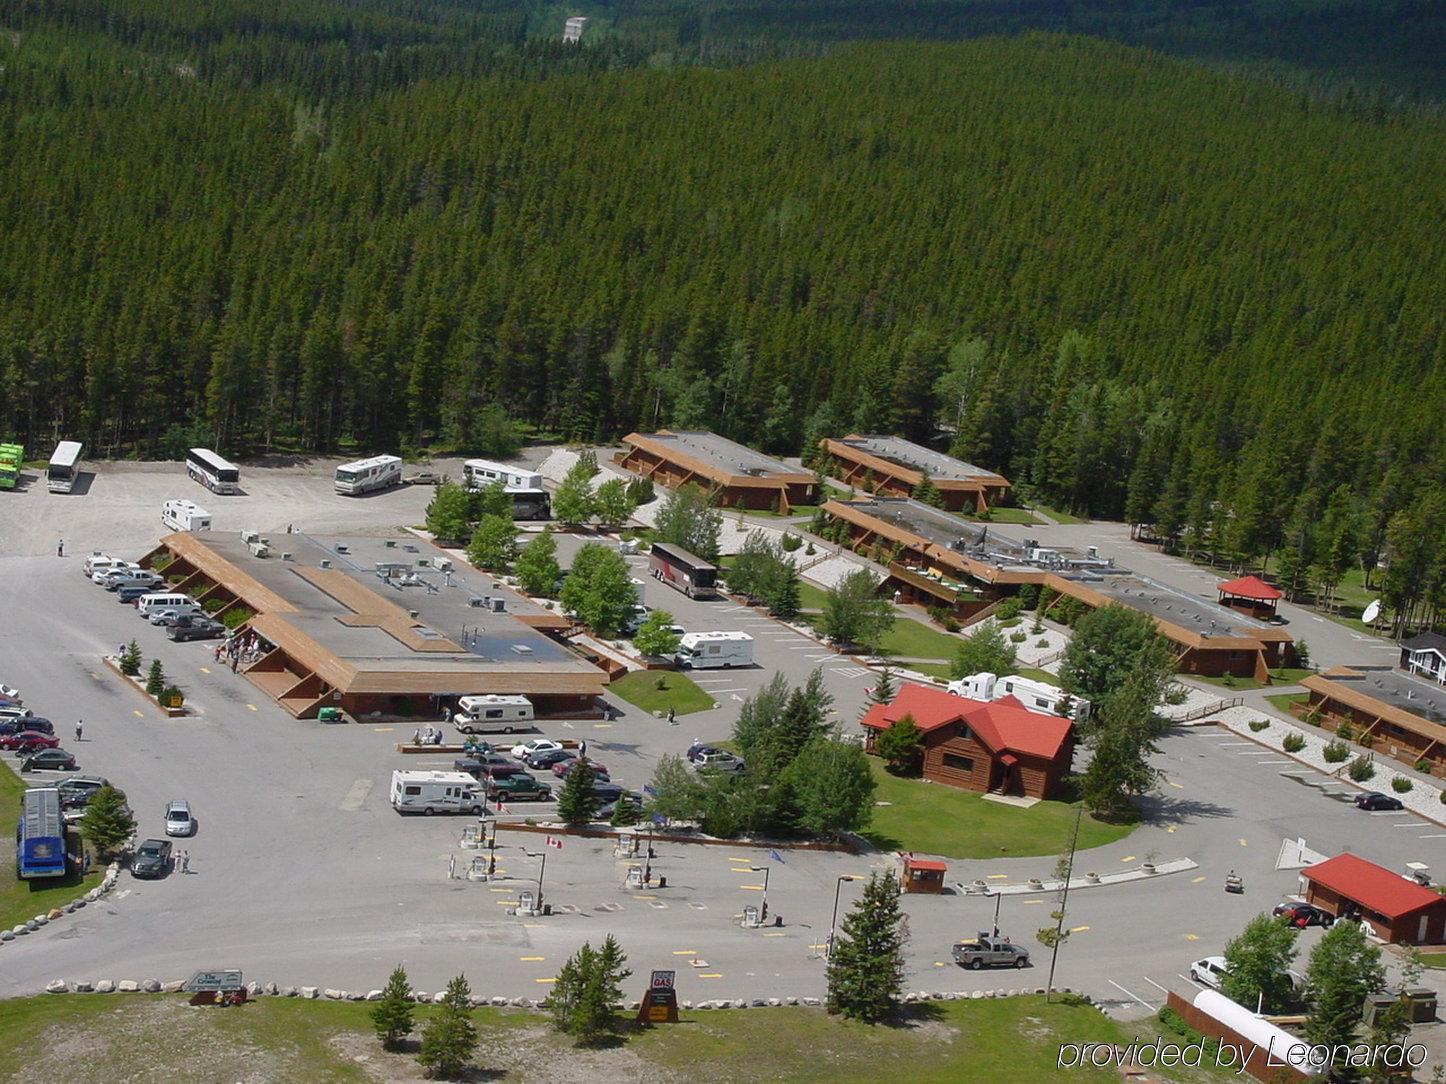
x=808, y=550
x=1029, y=596
x=1018, y=637
x=1294, y=742
x=175, y=578
x=1041, y=642
x=237, y=616
x=1008, y=610
x=156, y=679
x=1423, y=765
x=938, y=613
x=1367, y=740
x=1257, y=725
x=1401, y=784
x=1335, y=752
x=1361, y=769
x=951, y=625
x=1176, y=695
x=1345, y=732
x=212, y=603
x=791, y=542
x=160, y=561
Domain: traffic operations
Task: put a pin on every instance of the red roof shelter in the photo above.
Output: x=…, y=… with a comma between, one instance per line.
x=1251, y=594
x=922, y=874
x=1396, y=907
x=995, y=745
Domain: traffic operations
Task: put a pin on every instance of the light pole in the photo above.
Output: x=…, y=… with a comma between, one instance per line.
x=998, y=899
x=765, y=871
x=541, y=872
x=833, y=922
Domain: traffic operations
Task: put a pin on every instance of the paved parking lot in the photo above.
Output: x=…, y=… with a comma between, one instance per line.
x=302, y=873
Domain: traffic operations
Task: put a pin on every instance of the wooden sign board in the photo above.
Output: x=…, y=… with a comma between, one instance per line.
x=660, y=1003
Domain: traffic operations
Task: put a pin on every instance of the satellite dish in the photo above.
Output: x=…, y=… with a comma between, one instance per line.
x=1372, y=611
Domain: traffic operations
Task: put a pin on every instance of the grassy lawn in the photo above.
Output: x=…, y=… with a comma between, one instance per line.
x=1038, y=675
x=1058, y=516
x=1283, y=701
x=640, y=688
x=1021, y=516
x=22, y=900
x=811, y=597
x=1282, y=675
x=1239, y=684
x=913, y=639
x=1006, y=1040
x=939, y=670
x=937, y=819
x=1435, y=960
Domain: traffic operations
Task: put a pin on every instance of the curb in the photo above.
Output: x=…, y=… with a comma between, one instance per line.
x=135, y=683
x=14, y=933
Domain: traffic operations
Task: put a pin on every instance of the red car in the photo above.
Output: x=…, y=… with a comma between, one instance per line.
x=28, y=741
x=561, y=768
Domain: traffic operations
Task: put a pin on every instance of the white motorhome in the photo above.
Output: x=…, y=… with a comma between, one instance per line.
x=181, y=515
x=492, y=713
x=436, y=792
x=165, y=600
x=367, y=475
x=1037, y=696
x=481, y=473
x=715, y=650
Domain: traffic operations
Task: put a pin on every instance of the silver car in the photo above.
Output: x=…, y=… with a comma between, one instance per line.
x=179, y=821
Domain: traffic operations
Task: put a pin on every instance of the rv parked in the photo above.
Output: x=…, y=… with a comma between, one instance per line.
x=715, y=650
x=368, y=475
x=185, y=516
x=436, y=792
x=493, y=714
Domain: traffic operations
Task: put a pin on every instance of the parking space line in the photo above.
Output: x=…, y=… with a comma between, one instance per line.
x=505, y=903
x=1441, y=835
x=1196, y=880
x=1078, y=929
x=1390, y=813
x=1155, y=984
x=204, y=669
x=545, y=980
x=1128, y=858
x=752, y=888
x=531, y=959
x=1131, y=996
x=712, y=975
x=1407, y=824
x=685, y=952
x=251, y=706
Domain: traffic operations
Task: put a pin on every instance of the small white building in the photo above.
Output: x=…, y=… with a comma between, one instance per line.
x=573, y=28
x=1037, y=696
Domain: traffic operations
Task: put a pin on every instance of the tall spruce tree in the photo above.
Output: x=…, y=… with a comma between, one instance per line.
x=866, y=960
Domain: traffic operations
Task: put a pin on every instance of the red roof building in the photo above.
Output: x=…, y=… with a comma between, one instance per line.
x=922, y=874
x=1396, y=907
x=996, y=746
x=1250, y=594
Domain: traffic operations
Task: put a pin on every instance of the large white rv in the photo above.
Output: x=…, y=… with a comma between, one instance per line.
x=436, y=792
x=216, y=474
x=368, y=475
x=481, y=473
x=715, y=650
x=493, y=713
x=1037, y=696
x=181, y=515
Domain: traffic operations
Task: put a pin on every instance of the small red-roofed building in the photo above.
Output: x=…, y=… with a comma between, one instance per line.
x=922, y=874
x=1397, y=908
x=996, y=746
x=1252, y=595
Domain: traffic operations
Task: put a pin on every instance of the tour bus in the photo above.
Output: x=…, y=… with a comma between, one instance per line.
x=366, y=475
x=182, y=515
x=680, y=569
x=213, y=472
x=529, y=499
x=64, y=465
x=40, y=835
x=11, y=456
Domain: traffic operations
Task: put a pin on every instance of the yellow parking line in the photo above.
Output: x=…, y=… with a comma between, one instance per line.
x=1177, y=786
x=818, y=946
x=685, y=952
x=1192, y=937
x=531, y=959
x=544, y=980
x=205, y=669
x=1028, y=902
x=1196, y=880
x=1171, y=828
x=645, y=897
x=532, y=925
x=712, y=975
x=938, y=963
x=997, y=876
x=136, y=713
x=383, y=729
x=1243, y=843
x=505, y=903
x=499, y=890
x=251, y=706
x=602, y=726
x=1078, y=929
x=752, y=888
x=1128, y=858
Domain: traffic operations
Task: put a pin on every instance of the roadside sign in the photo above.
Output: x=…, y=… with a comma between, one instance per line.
x=662, y=980
x=212, y=980
x=660, y=1004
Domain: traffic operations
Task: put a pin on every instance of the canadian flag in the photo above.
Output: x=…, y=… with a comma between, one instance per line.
x=554, y=843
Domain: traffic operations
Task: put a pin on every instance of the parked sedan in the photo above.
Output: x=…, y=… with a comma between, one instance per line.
x=167, y=616
x=562, y=767
x=48, y=760
x=28, y=741
x=719, y=762
x=479, y=763
x=549, y=757
x=131, y=592
x=1375, y=800
x=1302, y=915
x=179, y=821
x=536, y=745
x=152, y=858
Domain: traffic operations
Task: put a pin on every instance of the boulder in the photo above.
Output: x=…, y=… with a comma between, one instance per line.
x=355, y=995
x=309, y=992
x=173, y=987
x=54, y=913
x=741, y=1003
x=128, y=986
x=7, y=935
x=41, y=920
x=421, y=998
x=976, y=995
x=93, y=895
x=57, y=986
x=790, y=1001
x=757, y=1003
x=521, y=1003
x=272, y=989
x=911, y=997
x=151, y=986
x=1012, y=993
x=19, y=930
x=32, y=926
x=988, y=993
x=289, y=991
x=774, y=1002
x=685, y=1004
x=811, y=1002
x=105, y=986
x=476, y=1000
x=333, y=995
x=704, y=1005
x=84, y=986
x=498, y=1002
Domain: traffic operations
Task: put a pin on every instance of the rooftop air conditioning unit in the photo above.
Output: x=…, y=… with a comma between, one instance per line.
x=341, y=547
x=249, y=536
x=443, y=564
x=325, y=563
x=412, y=614
x=475, y=601
x=499, y=605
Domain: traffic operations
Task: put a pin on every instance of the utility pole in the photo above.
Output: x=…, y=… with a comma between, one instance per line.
x=1059, y=934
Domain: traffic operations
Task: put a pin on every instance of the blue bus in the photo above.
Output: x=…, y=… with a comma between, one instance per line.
x=40, y=835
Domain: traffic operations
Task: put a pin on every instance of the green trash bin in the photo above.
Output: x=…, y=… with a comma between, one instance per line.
x=329, y=715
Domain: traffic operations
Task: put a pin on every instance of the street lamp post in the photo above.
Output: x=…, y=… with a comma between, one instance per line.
x=833, y=922
x=541, y=872
x=765, y=871
x=648, y=858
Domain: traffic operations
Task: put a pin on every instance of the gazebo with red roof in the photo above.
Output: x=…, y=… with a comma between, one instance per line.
x=1396, y=907
x=1250, y=594
x=996, y=746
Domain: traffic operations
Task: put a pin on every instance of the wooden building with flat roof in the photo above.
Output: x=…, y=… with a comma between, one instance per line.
x=736, y=475
x=889, y=466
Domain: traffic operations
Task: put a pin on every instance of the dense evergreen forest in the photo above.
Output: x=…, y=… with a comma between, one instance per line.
x=1139, y=287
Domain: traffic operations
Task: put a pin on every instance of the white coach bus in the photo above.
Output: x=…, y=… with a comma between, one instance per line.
x=64, y=465
x=213, y=472
x=367, y=475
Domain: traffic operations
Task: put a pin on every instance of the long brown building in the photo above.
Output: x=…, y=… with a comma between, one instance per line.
x=736, y=475
x=888, y=466
x=377, y=625
x=936, y=559
x=1404, y=714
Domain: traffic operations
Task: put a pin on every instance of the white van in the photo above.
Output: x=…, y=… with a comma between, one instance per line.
x=493, y=714
x=165, y=600
x=181, y=515
x=715, y=650
x=436, y=792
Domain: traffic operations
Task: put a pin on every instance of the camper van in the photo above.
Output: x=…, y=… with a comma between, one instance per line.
x=1037, y=696
x=436, y=792
x=368, y=475
x=165, y=600
x=493, y=714
x=185, y=516
x=715, y=650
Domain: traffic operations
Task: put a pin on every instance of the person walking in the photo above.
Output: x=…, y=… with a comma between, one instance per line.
x=60, y=547
x=582, y=749
x=672, y=716
x=235, y=659
x=185, y=861
x=79, y=726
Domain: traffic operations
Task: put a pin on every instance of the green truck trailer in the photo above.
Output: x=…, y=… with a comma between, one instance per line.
x=11, y=456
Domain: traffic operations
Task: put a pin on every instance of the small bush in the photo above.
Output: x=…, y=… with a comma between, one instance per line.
x=213, y=603
x=1345, y=732
x=1335, y=752
x=951, y=625
x=1018, y=637
x=1257, y=725
x=1041, y=642
x=1176, y=695
x=130, y=660
x=1361, y=769
x=1367, y=740
x=1402, y=785
x=1422, y=765
x=661, y=684
x=1294, y=742
x=237, y=616
x=791, y=542
x=1442, y=796
x=938, y=614
x=1037, y=628
x=808, y=550
x=1228, y=681
x=1009, y=609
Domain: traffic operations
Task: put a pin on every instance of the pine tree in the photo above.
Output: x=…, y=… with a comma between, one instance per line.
x=882, y=691
x=578, y=802
x=1343, y=970
x=866, y=961
x=901, y=745
x=449, y=1037
x=392, y=1016
x=588, y=988
x=572, y=504
x=130, y=660
x=155, y=679
x=106, y=822
x=926, y=492
x=446, y=516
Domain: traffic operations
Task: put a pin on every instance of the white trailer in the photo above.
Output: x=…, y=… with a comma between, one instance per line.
x=481, y=473
x=715, y=650
x=436, y=792
x=492, y=713
x=368, y=475
x=1037, y=696
x=181, y=515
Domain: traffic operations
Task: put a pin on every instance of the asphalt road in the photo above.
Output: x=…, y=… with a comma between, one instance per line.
x=303, y=874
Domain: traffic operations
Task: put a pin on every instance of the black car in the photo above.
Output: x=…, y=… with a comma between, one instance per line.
x=548, y=757
x=1375, y=800
x=607, y=792
x=479, y=763
x=195, y=627
x=1302, y=915
x=132, y=592
x=152, y=858
x=50, y=760
x=30, y=722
